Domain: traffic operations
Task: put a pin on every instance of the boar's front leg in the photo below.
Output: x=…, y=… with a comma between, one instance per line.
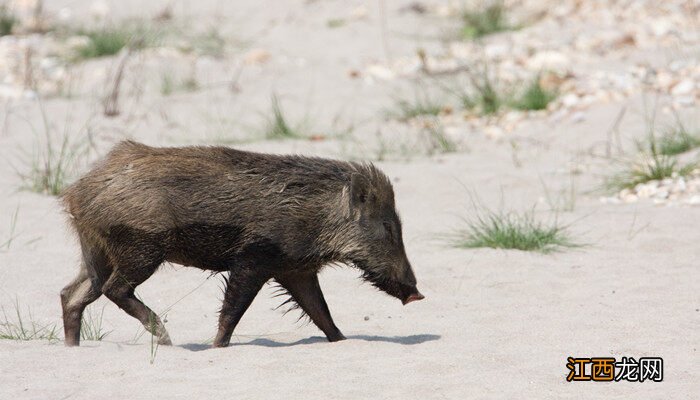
x=306, y=291
x=241, y=289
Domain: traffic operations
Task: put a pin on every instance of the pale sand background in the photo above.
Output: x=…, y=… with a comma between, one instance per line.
x=495, y=324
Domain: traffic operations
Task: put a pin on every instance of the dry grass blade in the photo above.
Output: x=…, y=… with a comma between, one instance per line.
x=25, y=328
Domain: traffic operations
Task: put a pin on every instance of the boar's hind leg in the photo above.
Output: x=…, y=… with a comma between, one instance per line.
x=74, y=298
x=306, y=291
x=83, y=290
x=241, y=289
x=120, y=289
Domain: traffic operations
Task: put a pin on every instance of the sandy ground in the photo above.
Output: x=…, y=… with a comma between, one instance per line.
x=494, y=324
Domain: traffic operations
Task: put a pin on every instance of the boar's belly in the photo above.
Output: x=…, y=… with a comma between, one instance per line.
x=222, y=247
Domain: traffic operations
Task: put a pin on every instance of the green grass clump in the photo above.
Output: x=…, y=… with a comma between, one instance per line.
x=420, y=105
x=7, y=21
x=486, y=20
x=335, y=23
x=650, y=167
x=488, y=99
x=170, y=85
x=501, y=230
x=438, y=141
x=535, y=97
x=104, y=42
x=277, y=126
x=654, y=162
x=25, y=328
x=210, y=44
x=167, y=85
x=110, y=40
x=676, y=141
x=485, y=96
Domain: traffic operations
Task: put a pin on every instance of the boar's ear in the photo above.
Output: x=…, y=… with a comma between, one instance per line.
x=359, y=191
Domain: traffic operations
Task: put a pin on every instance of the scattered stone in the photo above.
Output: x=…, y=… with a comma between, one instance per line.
x=693, y=200
x=683, y=189
x=576, y=64
x=578, y=117
x=380, y=72
x=549, y=60
x=256, y=57
x=683, y=87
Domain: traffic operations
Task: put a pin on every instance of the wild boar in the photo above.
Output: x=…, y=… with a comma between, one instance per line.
x=255, y=216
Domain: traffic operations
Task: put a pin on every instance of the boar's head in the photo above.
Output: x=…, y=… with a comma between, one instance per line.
x=373, y=238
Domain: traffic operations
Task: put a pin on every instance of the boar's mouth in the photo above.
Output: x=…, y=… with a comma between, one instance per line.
x=405, y=292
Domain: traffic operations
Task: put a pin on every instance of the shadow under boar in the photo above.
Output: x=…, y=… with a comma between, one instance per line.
x=256, y=216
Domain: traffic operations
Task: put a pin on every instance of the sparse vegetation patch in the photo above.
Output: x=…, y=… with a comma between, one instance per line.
x=484, y=20
x=278, y=127
x=534, y=97
x=677, y=140
x=510, y=230
x=654, y=162
x=91, y=325
x=485, y=96
x=7, y=21
x=420, y=105
x=24, y=327
x=169, y=85
x=110, y=40
x=50, y=166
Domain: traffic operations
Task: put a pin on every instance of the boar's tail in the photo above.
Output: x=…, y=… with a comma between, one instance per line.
x=68, y=199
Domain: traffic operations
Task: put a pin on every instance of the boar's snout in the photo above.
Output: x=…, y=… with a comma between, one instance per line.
x=413, y=297
x=409, y=291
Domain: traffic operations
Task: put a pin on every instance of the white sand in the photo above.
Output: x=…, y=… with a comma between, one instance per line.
x=494, y=324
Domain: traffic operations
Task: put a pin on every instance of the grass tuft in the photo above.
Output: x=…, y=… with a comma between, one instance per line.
x=650, y=167
x=8, y=20
x=336, y=23
x=485, y=96
x=535, y=97
x=51, y=167
x=501, y=230
x=420, y=105
x=677, y=140
x=104, y=42
x=438, y=141
x=652, y=164
x=277, y=126
x=51, y=164
x=170, y=85
x=110, y=40
x=210, y=44
x=25, y=328
x=485, y=20
x=91, y=325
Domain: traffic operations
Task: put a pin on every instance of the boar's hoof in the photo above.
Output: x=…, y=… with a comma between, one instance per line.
x=336, y=338
x=219, y=344
x=164, y=340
